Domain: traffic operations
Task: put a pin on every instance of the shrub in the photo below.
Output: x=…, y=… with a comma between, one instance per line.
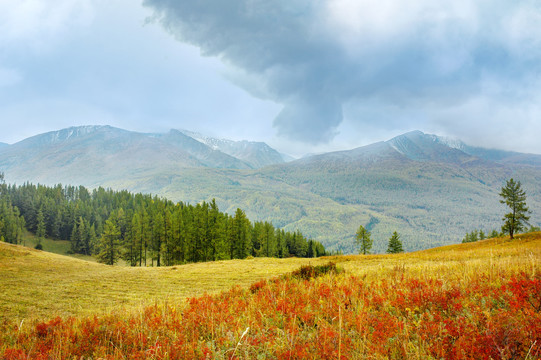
x=307, y=272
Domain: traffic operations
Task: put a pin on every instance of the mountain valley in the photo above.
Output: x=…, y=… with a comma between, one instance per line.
x=430, y=189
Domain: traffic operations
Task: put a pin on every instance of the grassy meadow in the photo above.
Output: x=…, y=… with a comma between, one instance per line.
x=38, y=284
x=475, y=300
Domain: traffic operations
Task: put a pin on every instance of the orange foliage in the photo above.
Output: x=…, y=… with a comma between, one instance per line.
x=324, y=318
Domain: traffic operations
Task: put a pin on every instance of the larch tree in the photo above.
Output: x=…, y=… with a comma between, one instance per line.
x=40, y=231
x=363, y=240
x=110, y=243
x=515, y=198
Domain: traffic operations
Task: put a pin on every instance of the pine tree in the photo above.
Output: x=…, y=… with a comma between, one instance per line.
x=240, y=235
x=110, y=243
x=363, y=240
x=514, y=197
x=158, y=236
x=482, y=235
x=40, y=230
x=56, y=225
x=269, y=242
x=133, y=242
x=92, y=239
x=82, y=235
x=74, y=239
x=395, y=245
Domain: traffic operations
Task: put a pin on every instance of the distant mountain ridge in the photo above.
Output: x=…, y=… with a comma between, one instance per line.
x=417, y=142
x=116, y=152
x=257, y=154
x=430, y=189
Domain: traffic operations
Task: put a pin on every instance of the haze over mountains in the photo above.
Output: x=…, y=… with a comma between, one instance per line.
x=106, y=153
x=430, y=189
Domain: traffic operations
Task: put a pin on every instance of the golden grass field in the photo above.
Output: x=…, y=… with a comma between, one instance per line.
x=37, y=284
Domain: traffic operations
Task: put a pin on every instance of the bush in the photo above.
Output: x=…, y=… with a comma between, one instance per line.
x=38, y=247
x=307, y=272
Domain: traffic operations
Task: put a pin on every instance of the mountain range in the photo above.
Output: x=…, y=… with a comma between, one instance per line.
x=108, y=153
x=430, y=189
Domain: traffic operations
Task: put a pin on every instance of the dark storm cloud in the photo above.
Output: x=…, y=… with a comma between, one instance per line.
x=313, y=56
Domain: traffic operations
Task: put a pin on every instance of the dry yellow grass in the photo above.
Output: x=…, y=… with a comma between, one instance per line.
x=36, y=284
x=454, y=262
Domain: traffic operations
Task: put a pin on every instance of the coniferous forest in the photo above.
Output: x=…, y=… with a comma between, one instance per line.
x=141, y=229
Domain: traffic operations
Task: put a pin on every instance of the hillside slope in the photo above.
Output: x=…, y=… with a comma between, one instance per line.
x=433, y=193
x=83, y=288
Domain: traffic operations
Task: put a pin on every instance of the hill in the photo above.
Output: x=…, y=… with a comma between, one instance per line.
x=431, y=189
x=84, y=287
x=476, y=300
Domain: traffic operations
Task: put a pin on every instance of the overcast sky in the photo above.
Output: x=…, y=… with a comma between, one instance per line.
x=302, y=75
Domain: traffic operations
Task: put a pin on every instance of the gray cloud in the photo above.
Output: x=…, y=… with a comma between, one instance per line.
x=313, y=56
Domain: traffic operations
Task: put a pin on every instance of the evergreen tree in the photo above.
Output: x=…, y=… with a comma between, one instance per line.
x=482, y=235
x=146, y=232
x=281, y=244
x=40, y=230
x=158, y=236
x=269, y=242
x=56, y=225
x=240, y=239
x=74, y=239
x=92, y=239
x=133, y=242
x=395, y=245
x=363, y=240
x=515, y=198
x=11, y=223
x=110, y=243
x=82, y=235
x=471, y=237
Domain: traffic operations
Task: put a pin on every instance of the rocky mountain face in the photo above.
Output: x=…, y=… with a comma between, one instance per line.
x=257, y=154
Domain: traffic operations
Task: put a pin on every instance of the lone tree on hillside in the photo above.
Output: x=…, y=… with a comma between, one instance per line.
x=363, y=240
x=395, y=245
x=514, y=197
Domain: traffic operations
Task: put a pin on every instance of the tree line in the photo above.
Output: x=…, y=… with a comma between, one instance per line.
x=142, y=229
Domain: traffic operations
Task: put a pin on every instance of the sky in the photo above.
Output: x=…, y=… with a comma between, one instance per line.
x=305, y=76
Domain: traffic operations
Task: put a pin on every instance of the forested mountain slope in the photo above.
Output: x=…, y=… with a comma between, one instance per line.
x=431, y=190
x=426, y=187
